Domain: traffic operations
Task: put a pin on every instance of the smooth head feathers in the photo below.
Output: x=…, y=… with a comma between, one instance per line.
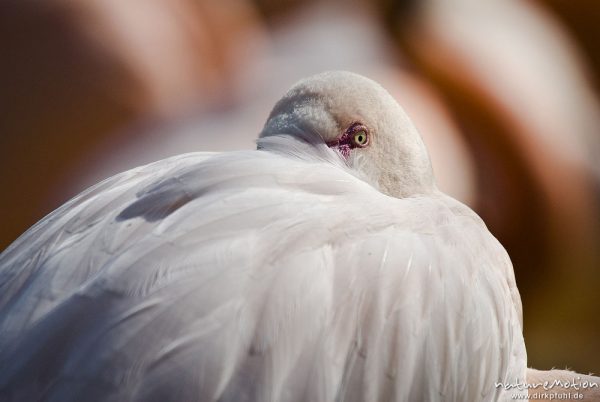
x=319, y=109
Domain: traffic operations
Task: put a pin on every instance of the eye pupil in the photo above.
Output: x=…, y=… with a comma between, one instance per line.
x=360, y=138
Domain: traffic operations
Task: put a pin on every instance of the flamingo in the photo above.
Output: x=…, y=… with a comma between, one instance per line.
x=323, y=266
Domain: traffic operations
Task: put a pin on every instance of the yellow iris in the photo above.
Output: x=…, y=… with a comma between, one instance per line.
x=360, y=138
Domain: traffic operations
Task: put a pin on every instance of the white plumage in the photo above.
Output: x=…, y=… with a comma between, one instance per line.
x=289, y=273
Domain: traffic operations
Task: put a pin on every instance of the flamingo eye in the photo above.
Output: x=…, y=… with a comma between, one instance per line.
x=360, y=138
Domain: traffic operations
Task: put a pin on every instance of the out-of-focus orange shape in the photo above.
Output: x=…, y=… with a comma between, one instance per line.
x=75, y=72
x=516, y=84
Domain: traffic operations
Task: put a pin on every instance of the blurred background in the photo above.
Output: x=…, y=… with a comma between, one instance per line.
x=505, y=94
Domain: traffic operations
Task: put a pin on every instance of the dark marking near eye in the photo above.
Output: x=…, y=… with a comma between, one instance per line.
x=347, y=141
